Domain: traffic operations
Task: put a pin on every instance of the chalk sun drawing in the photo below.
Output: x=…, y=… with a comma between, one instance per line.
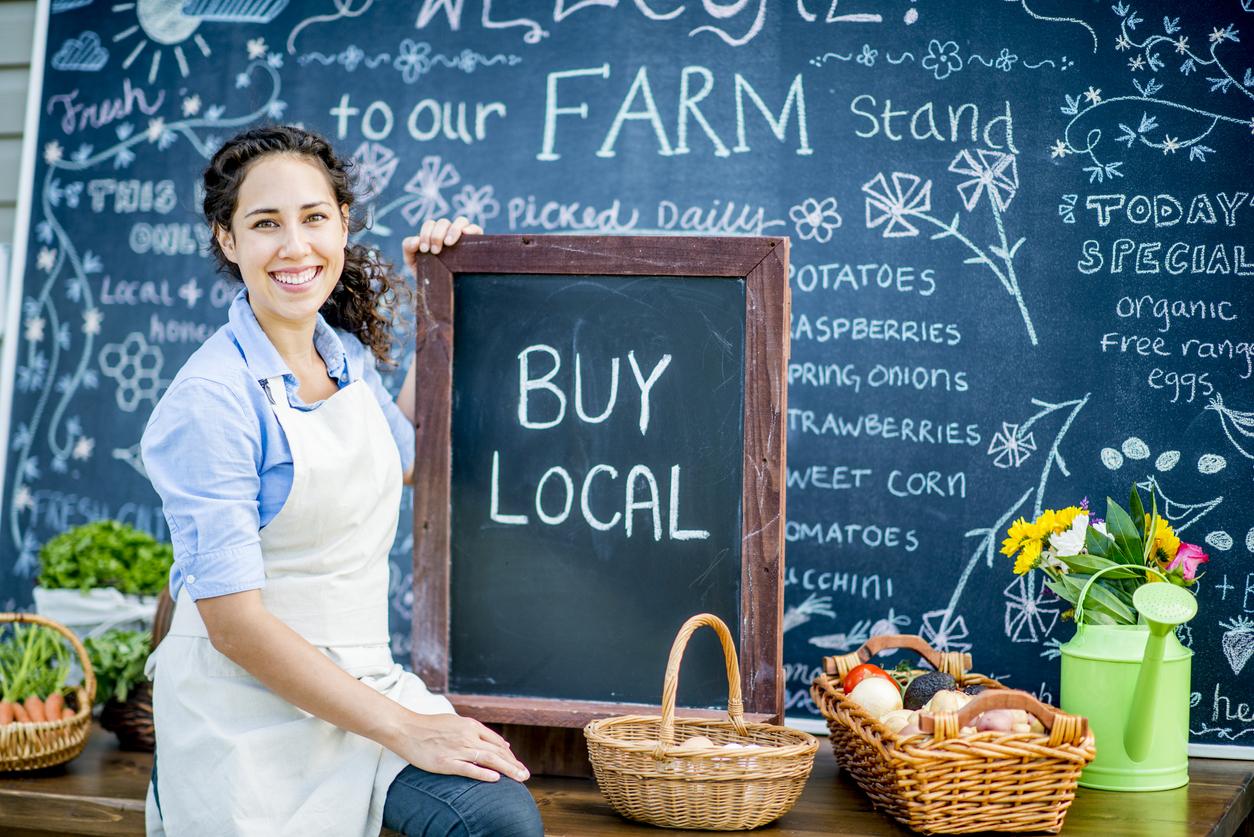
x=163, y=23
x=989, y=174
x=1146, y=132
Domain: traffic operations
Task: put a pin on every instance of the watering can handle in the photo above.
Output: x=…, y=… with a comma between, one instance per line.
x=1063, y=728
x=1084, y=591
x=953, y=663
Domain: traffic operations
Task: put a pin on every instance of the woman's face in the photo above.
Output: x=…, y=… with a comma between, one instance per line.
x=287, y=237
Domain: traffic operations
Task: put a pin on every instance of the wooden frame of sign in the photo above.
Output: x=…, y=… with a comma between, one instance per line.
x=763, y=265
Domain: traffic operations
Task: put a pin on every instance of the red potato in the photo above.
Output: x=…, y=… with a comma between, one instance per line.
x=6, y=713
x=35, y=708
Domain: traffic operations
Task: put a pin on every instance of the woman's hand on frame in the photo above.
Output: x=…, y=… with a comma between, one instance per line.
x=436, y=234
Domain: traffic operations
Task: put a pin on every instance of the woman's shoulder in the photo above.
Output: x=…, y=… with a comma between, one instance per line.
x=216, y=374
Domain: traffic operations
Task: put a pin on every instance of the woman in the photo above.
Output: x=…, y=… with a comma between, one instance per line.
x=279, y=458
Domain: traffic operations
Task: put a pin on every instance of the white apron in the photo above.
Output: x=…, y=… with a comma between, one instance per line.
x=233, y=758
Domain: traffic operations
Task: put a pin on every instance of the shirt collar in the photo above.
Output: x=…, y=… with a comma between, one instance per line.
x=264, y=361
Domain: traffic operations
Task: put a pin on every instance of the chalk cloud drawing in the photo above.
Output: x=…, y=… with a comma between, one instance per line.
x=816, y=219
x=234, y=11
x=991, y=174
x=1134, y=448
x=84, y=53
x=162, y=23
x=1167, y=460
x=1010, y=447
x=1238, y=642
x=1236, y=424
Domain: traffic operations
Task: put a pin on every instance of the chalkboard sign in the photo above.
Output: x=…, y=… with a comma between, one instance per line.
x=1021, y=258
x=600, y=456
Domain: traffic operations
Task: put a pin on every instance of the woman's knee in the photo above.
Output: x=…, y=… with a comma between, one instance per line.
x=421, y=804
x=504, y=808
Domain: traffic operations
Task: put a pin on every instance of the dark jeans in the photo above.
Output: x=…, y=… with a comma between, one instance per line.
x=422, y=804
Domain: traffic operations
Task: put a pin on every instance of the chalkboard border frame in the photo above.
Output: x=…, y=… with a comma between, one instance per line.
x=762, y=262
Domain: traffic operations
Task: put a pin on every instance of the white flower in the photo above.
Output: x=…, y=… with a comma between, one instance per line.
x=1101, y=527
x=1071, y=542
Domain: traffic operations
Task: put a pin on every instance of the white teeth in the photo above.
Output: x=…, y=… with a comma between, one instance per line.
x=296, y=278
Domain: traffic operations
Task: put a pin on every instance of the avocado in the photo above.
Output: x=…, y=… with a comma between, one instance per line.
x=922, y=688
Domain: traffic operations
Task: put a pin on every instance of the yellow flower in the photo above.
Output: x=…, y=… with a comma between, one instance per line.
x=1027, y=558
x=1165, y=541
x=1019, y=532
x=1066, y=517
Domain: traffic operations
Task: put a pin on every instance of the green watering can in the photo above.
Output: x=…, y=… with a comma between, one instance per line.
x=1132, y=683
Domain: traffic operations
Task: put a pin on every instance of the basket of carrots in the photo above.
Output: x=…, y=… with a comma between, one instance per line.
x=43, y=721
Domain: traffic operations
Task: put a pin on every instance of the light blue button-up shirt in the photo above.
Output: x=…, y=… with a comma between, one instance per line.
x=219, y=458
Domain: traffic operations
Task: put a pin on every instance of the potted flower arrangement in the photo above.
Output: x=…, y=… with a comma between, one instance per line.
x=1130, y=682
x=102, y=575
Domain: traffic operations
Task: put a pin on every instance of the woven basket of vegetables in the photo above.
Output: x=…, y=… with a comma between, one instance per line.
x=958, y=752
x=42, y=721
x=721, y=775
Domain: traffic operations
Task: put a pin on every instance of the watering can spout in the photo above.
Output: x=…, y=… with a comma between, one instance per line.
x=1162, y=606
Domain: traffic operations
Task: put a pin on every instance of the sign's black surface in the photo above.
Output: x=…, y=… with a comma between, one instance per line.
x=597, y=461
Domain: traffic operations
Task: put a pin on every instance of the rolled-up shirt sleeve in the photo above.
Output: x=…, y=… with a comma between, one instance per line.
x=202, y=451
x=402, y=429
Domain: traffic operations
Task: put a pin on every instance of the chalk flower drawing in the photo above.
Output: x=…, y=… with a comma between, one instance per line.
x=815, y=220
x=1193, y=120
x=867, y=56
x=942, y=59
x=910, y=197
x=426, y=190
x=477, y=204
x=1010, y=447
x=375, y=164
x=1027, y=619
x=992, y=172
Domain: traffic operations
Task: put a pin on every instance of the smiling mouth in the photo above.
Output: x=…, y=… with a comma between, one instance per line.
x=296, y=278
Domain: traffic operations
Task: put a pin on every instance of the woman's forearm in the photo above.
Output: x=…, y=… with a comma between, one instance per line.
x=288, y=665
x=407, y=398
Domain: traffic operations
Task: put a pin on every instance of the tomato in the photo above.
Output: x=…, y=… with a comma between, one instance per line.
x=859, y=673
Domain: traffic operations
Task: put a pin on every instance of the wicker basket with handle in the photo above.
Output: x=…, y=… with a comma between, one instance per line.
x=30, y=746
x=949, y=783
x=647, y=776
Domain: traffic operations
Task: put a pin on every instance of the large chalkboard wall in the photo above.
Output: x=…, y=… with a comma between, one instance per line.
x=1022, y=259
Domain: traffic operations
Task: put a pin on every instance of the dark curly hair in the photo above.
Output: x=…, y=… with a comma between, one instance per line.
x=368, y=298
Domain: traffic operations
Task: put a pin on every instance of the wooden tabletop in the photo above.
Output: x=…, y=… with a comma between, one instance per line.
x=102, y=792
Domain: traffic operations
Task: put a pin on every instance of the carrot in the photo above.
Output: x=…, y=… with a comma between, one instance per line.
x=20, y=713
x=6, y=713
x=67, y=713
x=53, y=706
x=35, y=708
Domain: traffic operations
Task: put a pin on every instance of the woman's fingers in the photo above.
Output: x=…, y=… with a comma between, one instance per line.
x=499, y=761
x=438, y=232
